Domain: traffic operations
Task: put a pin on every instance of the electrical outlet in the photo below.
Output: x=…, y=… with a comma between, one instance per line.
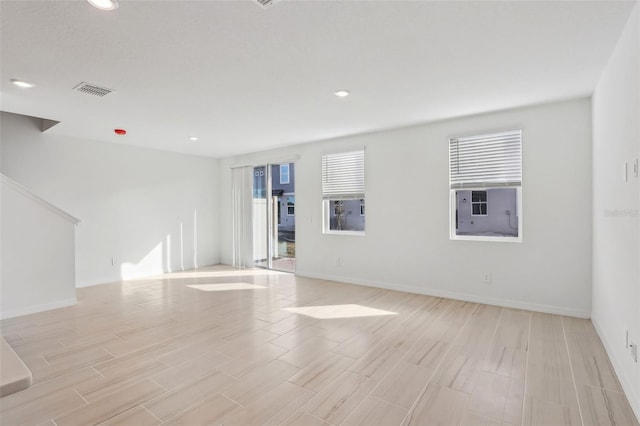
x=485, y=278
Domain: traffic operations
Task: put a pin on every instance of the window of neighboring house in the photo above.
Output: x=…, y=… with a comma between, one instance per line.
x=291, y=206
x=284, y=173
x=485, y=178
x=280, y=213
x=343, y=188
x=478, y=203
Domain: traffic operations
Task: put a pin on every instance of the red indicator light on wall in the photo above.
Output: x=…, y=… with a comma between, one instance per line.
x=120, y=132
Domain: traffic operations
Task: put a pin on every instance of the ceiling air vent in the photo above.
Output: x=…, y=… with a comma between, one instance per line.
x=92, y=89
x=265, y=3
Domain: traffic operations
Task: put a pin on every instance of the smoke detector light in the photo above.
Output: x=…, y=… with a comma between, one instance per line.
x=104, y=4
x=23, y=84
x=342, y=93
x=193, y=138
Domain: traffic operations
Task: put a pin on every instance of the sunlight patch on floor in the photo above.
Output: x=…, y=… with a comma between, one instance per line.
x=339, y=311
x=225, y=286
x=214, y=274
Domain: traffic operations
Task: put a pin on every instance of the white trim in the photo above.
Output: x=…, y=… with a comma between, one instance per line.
x=506, y=303
x=486, y=239
x=44, y=203
x=117, y=278
x=38, y=308
x=634, y=400
x=356, y=233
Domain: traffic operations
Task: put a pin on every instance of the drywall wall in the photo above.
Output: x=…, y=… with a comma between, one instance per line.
x=407, y=245
x=151, y=211
x=38, y=256
x=616, y=207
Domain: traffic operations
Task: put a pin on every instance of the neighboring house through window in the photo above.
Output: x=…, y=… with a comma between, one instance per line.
x=284, y=173
x=343, y=188
x=485, y=180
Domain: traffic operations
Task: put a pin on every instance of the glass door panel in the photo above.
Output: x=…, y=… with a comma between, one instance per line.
x=259, y=211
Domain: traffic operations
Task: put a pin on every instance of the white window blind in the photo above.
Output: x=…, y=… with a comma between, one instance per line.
x=493, y=159
x=343, y=175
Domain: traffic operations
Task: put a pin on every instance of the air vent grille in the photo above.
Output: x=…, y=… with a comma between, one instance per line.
x=92, y=89
x=266, y=3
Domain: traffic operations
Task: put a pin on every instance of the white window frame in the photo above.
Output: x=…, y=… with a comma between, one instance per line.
x=480, y=203
x=288, y=179
x=510, y=182
x=334, y=189
x=286, y=204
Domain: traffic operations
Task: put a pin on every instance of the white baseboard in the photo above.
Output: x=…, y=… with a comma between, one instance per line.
x=109, y=280
x=38, y=308
x=629, y=391
x=506, y=303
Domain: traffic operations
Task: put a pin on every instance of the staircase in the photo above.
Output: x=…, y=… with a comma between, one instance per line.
x=37, y=267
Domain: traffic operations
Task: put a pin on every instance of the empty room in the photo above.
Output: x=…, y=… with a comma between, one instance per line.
x=288, y=212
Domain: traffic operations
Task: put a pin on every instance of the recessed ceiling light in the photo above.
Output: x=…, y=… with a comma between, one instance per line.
x=193, y=138
x=104, y=4
x=341, y=93
x=23, y=84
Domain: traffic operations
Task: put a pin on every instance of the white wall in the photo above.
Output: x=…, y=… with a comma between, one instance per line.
x=616, y=206
x=407, y=244
x=38, y=259
x=152, y=211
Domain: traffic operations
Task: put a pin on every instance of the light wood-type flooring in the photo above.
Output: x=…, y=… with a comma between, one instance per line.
x=249, y=347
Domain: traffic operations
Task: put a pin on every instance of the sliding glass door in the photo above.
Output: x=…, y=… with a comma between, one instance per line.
x=274, y=216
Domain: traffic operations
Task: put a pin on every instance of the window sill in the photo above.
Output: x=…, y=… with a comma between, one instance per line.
x=355, y=233
x=486, y=238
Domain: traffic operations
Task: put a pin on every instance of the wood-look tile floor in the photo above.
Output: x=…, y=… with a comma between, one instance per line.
x=249, y=347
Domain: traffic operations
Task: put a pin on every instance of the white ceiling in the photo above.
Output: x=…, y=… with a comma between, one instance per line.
x=246, y=79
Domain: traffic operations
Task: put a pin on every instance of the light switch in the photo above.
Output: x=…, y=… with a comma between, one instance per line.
x=636, y=166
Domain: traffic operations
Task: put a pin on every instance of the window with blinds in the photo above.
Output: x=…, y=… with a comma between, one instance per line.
x=343, y=191
x=485, y=178
x=489, y=160
x=343, y=175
